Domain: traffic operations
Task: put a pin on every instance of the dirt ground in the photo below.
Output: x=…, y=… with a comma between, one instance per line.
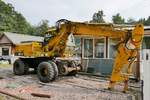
x=79, y=87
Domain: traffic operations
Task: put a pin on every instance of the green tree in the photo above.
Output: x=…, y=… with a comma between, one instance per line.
x=98, y=17
x=12, y=21
x=147, y=21
x=131, y=21
x=32, y=30
x=6, y=16
x=117, y=19
x=41, y=28
x=141, y=20
x=22, y=25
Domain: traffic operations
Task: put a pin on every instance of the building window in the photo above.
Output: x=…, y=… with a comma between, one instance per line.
x=112, y=47
x=88, y=48
x=145, y=48
x=146, y=42
x=94, y=48
x=99, y=48
x=78, y=46
x=5, y=51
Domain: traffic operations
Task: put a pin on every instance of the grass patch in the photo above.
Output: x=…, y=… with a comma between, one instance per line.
x=1, y=97
x=5, y=65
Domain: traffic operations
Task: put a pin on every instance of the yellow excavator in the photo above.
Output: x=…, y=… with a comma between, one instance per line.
x=47, y=57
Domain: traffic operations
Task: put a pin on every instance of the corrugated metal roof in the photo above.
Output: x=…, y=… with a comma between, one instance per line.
x=20, y=38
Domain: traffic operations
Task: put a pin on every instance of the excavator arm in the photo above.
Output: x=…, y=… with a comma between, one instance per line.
x=57, y=44
x=126, y=52
x=126, y=55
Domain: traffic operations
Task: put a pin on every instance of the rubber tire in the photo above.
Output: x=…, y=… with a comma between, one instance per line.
x=55, y=69
x=20, y=68
x=35, y=70
x=50, y=75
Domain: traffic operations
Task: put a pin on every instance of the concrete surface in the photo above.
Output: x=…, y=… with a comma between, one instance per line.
x=80, y=87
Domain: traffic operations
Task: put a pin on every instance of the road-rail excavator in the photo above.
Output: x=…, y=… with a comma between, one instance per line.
x=47, y=57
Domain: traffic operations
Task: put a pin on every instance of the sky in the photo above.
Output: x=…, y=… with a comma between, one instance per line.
x=79, y=10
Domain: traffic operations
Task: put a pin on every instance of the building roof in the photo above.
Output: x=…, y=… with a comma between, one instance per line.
x=147, y=27
x=128, y=27
x=21, y=38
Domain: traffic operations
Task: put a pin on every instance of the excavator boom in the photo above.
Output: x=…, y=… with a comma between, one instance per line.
x=64, y=28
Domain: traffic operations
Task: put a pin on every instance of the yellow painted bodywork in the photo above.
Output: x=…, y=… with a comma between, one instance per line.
x=126, y=56
x=127, y=49
x=33, y=49
x=57, y=45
